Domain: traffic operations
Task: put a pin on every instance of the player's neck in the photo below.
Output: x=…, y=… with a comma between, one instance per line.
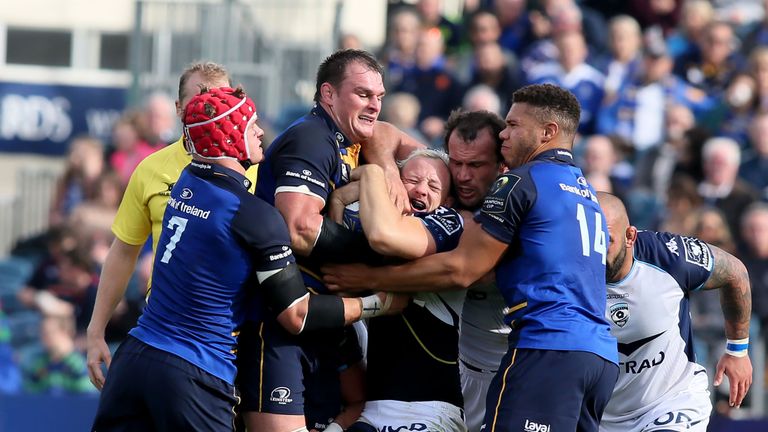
x=226, y=163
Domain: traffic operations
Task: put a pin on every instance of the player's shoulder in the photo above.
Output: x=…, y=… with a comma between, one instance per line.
x=171, y=159
x=664, y=249
x=308, y=128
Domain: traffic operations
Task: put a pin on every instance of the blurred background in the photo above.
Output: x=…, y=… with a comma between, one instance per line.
x=675, y=122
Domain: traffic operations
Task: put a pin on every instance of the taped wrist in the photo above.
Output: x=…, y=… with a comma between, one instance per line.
x=324, y=312
x=373, y=306
x=335, y=243
x=283, y=289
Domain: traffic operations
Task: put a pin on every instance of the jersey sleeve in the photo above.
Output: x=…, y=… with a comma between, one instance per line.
x=132, y=223
x=446, y=226
x=687, y=259
x=262, y=230
x=510, y=198
x=305, y=164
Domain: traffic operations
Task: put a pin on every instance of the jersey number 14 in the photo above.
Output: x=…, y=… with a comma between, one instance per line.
x=598, y=244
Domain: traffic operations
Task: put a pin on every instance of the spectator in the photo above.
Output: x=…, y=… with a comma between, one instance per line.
x=757, y=36
x=515, y=24
x=399, y=54
x=683, y=201
x=59, y=240
x=601, y=163
x=712, y=228
x=484, y=28
x=433, y=85
x=159, y=120
x=431, y=12
x=573, y=73
x=625, y=43
x=754, y=237
x=402, y=110
x=60, y=368
x=129, y=147
x=721, y=187
x=662, y=13
x=758, y=66
x=695, y=16
x=493, y=69
x=638, y=112
x=717, y=62
x=754, y=170
x=737, y=107
x=481, y=98
x=84, y=165
x=656, y=167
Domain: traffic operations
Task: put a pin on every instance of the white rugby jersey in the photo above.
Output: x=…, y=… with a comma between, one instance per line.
x=650, y=317
x=483, y=339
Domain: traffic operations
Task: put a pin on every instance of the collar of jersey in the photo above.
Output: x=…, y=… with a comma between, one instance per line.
x=558, y=154
x=207, y=170
x=318, y=111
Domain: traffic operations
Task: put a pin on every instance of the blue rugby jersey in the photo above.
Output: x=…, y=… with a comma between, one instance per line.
x=215, y=236
x=553, y=274
x=312, y=157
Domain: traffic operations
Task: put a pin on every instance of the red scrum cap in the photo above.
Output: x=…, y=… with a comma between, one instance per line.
x=216, y=124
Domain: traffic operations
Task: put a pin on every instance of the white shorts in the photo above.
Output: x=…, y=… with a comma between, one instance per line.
x=474, y=387
x=687, y=411
x=413, y=416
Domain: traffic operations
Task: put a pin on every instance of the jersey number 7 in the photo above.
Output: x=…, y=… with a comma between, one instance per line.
x=179, y=224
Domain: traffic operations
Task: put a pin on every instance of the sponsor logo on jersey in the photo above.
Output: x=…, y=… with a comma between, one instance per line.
x=586, y=193
x=531, y=426
x=496, y=201
x=582, y=181
x=404, y=428
x=636, y=367
x=339, y=138
x=284, y=254
x=186, y=193
x=188, y=209
x=672, y=246
x=617, y=296
x=697, y=252
x=305, y=177
x=448, y=220
x=281, y=395
x=619, y=313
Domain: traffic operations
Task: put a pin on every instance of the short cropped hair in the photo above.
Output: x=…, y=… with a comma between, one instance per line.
x=425, y=153
x=551, y=104
x=209, y=70
x=334, y=67
x=468, y=124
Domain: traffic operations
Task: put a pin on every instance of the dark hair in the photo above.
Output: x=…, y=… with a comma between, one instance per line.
x=467, y=124
x=552, y=104
x=333, y=69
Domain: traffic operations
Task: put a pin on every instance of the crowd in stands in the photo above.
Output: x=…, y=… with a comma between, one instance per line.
x=674, y=97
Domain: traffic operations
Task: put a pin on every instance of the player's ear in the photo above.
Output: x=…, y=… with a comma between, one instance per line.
x=326, y=92
x=550, y=130
x=630, y=236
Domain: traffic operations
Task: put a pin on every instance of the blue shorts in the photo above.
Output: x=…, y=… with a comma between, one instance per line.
x=280, y=373
x=549, y=390
x=150, y=389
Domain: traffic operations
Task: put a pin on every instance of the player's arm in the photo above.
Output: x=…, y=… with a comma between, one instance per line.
x=302, y=215
x=386, y=145
x=730, y=276
x=115, y=274
x=477, y=253
x=342, y=197
x=388, y=230
x=298, y=311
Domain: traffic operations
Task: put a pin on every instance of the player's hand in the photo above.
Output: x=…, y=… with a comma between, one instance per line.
x=98, y=353
x=396, y=190
x=739, y=373
x=348, y=277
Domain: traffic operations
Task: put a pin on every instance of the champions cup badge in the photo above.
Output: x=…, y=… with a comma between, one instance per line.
x=620, y=314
